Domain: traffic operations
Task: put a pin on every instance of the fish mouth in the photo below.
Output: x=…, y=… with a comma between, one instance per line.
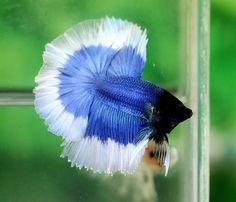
x=186, y=113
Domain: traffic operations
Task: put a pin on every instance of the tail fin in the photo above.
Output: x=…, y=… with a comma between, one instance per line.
x=75, y=61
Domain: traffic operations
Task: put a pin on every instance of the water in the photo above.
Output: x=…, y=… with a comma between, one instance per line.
x=177, y=59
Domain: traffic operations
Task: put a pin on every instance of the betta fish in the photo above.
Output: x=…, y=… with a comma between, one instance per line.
x=90, y=92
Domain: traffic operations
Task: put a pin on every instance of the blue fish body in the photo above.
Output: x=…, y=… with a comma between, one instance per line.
x=121, y=101
x=90, y=92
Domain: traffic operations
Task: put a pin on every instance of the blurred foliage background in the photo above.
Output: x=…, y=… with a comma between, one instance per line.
x=30, y=169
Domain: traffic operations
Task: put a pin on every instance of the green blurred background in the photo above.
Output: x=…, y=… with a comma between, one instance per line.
x=30, y=167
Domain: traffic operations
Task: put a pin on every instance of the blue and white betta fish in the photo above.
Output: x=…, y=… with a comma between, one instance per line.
x=90, y=92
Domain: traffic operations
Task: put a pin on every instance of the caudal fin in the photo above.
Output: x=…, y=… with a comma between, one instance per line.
x=75, y=60
x=74, y=63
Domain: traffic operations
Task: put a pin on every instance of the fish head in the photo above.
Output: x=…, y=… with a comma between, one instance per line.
x=170, y=111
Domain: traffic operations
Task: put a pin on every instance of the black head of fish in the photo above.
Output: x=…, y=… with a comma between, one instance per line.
x=170, y=111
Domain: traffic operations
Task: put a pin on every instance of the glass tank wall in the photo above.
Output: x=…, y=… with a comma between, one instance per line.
x=177, y=59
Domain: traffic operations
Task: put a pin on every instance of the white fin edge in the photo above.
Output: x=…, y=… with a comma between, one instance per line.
x=108, y=157
x=108, y=32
